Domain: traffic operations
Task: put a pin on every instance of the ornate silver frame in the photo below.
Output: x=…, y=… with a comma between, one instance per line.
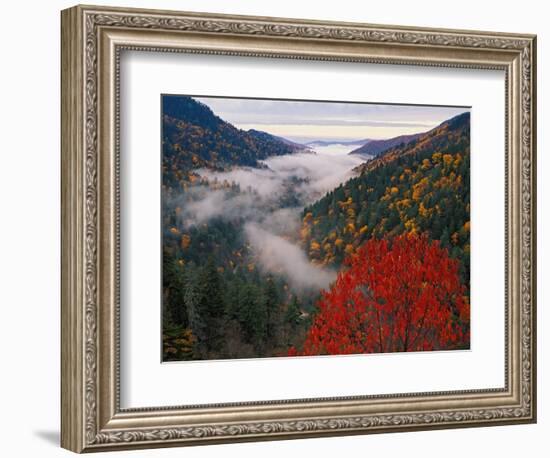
x=92, y=39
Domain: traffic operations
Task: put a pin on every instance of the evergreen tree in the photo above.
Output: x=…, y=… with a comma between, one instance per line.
x=174, y=290
x=445, y=236
x=293, y=313
x=272, y=301
x=253, y=316
x=196, y=319
x=208, y=310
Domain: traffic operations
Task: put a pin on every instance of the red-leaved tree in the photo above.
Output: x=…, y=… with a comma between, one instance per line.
x=395, y=295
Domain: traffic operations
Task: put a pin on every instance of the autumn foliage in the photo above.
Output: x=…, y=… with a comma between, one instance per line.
x=402, y=294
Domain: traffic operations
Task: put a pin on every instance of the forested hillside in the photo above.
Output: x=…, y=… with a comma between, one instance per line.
x=377, y=147
x=216, y=303
x=419, y=187
x=193, y=137
x=450, y=136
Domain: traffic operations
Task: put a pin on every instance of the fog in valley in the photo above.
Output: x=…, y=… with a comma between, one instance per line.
x=270, y=205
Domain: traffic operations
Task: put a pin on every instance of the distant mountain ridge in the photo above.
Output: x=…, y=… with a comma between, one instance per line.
x=193, y=137
x=439, y=137
x=377, y=147
x=270, y=137
x=337, y=142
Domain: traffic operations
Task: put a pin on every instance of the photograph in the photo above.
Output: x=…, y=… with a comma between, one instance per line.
x=313, y=228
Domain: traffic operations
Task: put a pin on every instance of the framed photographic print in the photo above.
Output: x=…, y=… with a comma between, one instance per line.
x=278, y=228
x=308, y=245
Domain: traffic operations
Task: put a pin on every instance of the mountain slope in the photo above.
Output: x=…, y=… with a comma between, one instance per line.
x=269, y=138
x=419, y=187
x=193, y=137
x=377, y=147
x=338, y=142
x=445, y=135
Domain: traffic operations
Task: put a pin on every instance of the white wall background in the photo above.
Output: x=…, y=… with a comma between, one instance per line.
x=29, y=230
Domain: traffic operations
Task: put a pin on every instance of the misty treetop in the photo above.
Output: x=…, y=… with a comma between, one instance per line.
x=261, y=235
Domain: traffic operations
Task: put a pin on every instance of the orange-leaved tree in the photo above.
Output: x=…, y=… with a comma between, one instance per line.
x=400, y=294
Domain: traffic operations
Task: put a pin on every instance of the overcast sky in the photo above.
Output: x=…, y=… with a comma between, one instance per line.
x=307, y=121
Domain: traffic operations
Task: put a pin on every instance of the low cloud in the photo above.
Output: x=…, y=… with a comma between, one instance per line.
x=284, y=222
x=279, y=256
x=201, y=204
x=264, y=182
x=269, y=205
x=307, y=176
x=322, y=171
